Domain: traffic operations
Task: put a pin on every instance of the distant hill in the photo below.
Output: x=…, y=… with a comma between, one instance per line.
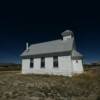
x=9, y=66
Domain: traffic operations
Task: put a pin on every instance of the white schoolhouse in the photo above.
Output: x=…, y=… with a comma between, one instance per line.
x=57, y=57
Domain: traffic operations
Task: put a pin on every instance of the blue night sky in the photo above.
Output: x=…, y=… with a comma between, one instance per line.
x=39, y=22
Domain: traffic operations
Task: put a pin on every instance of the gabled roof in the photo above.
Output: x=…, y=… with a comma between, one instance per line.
x=76, y=54
x=56, y=46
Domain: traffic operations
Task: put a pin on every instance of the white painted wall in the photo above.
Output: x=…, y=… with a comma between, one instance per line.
x=64, y=66
x=26, y=66
x=67, y=37
x=77, y=66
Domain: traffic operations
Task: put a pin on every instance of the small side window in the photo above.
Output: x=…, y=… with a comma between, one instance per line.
x=31, y=63
x=42, y=62
x=55, y=62
x=76, y=61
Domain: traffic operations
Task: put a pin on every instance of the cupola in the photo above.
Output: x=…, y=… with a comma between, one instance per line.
x=67, y=34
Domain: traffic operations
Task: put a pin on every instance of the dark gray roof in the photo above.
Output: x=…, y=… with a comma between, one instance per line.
x=67, y=32
x=76, y=54
x=56, y=46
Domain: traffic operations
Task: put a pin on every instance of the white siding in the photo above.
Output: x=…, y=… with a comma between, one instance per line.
x=64, y=66
x=49, y=65
x=67, y=37
x=26, y=66
x=37, y=64
x=77, y=66
x=46, y=70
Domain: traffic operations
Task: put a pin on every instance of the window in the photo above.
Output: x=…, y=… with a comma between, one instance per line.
x=55, y=61
x=42, y=62
x=76, y=61
x=31, y=63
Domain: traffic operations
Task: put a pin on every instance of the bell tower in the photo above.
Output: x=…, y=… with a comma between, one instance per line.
x=68, y=34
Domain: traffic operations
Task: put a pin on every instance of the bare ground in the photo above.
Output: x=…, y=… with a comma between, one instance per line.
x=15, y=86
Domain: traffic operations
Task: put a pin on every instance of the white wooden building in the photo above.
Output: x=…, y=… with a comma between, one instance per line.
x=57, y=57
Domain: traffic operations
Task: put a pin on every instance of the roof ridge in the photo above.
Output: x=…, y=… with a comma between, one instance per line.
x=45, y=42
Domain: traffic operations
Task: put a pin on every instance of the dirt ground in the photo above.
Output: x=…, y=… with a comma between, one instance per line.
x=15, y=86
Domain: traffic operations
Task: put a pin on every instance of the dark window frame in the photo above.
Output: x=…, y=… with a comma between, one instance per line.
x=76, y=61
x=42, y=62
x=31, y=62
x=55, y=61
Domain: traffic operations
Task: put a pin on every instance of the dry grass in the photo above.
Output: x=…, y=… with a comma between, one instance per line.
x=14, y=86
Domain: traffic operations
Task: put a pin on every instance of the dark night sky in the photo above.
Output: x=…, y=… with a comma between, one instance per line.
x=35, y=22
